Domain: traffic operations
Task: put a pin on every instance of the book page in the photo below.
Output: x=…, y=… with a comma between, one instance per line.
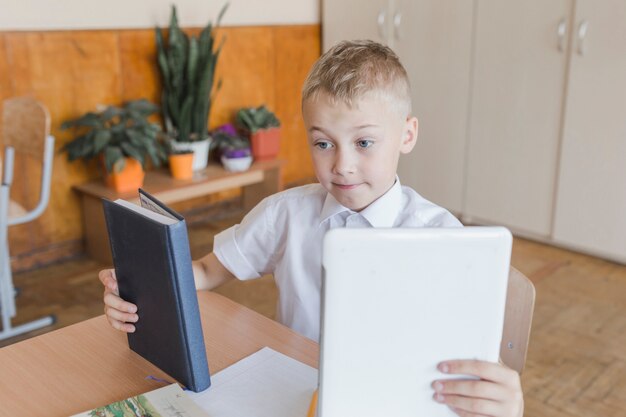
x=147, y=213
x=152, y=206
x=169, y=401
x=265, y=384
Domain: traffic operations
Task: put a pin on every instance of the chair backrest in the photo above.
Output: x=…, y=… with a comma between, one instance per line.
x=26, y=129
x=25, y=125
x=518, y=315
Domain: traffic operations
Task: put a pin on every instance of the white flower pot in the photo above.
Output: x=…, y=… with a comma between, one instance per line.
x=200, y=151
x=237, y=164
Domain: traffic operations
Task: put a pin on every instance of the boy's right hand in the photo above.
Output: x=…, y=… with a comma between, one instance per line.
x=119, y=313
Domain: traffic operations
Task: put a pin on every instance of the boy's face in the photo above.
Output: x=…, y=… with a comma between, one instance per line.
x=356, y=149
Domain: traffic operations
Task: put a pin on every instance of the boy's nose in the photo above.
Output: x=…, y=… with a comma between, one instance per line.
x=345, y=163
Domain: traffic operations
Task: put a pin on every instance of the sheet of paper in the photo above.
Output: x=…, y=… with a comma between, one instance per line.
x=264, y=384
x=169, y=401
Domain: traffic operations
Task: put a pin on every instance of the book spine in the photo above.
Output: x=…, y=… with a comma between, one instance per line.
x=187, y=301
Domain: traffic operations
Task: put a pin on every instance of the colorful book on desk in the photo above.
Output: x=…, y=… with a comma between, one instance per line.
x=152, y=262
x=169, y=401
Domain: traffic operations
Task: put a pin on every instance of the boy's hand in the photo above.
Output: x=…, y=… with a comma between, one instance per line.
x=498, y=392
x=119, y=312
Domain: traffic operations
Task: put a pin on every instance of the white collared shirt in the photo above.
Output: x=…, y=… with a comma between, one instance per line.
x=283, y=236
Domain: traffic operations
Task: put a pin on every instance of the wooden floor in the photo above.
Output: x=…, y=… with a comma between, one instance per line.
x=577, y=358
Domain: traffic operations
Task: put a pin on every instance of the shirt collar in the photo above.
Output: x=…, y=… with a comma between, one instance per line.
x=380, y=213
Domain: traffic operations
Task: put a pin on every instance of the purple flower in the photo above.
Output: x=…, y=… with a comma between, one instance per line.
x=237, y=153
x=228, y=128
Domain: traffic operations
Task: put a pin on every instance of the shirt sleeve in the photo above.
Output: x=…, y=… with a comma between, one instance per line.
x=247, y=249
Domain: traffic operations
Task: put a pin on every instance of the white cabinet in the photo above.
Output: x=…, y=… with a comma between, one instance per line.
x=591, y=197
x=354, y=19
x=518, y=82
x=547, y=132
x=433, y=40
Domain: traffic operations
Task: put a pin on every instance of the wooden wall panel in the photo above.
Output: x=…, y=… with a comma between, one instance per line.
x=140, y=76
x=72, y=72
x=246, y=68
x=292, y=64
x=6, y=88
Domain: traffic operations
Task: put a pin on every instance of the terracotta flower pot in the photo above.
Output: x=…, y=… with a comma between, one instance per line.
x=181, y=165
x=200, y=151
x=128, y=179
x=265, y=143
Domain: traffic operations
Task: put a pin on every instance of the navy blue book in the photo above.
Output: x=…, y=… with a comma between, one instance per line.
x=152, y=263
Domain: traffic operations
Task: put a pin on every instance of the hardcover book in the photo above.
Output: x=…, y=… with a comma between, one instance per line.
x=152, y=262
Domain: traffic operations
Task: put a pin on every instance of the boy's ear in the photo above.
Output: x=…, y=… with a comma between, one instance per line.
x=409, y=135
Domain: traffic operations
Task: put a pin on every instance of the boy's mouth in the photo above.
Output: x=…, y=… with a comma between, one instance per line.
x=346, y=186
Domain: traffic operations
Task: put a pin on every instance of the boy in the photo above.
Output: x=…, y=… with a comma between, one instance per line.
x=356, y=107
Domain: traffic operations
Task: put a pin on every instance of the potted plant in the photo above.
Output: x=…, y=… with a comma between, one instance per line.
x=234, y=150
x=236, y=159
x=264, y=130
x=181, y=164
x=121, y=137
x=187, y=66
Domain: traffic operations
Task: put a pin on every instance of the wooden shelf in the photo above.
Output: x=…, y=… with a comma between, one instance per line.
x=261, y=180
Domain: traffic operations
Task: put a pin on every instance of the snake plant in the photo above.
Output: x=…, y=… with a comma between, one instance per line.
x=187, y=65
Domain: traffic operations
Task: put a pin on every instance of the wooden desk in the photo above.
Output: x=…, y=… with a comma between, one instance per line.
x=89, y=364
x=261, y=180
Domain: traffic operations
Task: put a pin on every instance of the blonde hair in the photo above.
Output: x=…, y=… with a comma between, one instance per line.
x=351, y=69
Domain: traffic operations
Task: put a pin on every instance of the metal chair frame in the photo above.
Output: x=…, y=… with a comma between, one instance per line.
x=7, y=290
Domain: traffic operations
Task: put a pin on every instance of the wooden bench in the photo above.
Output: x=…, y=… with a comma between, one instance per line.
x=261, y=180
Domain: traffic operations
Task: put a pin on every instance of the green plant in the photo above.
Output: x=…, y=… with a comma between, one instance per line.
x=187, y=66
x=116, y=133
x=253, y=119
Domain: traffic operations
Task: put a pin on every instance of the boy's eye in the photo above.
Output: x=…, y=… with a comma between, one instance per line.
x=322, y=145
x=364, y=143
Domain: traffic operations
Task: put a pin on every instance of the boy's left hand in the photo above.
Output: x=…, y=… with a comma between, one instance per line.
x=498, y=392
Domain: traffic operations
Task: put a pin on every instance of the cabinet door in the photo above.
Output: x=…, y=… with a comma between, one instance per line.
x=433, y=40
x=516, y=112
x=591, y=199
x=354, y=19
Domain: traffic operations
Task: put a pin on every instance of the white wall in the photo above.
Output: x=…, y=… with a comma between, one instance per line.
x=115, y=14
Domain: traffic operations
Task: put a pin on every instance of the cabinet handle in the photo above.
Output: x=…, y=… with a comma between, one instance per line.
x=582, y=33
x=382, y=16
x=561, y=34
x=397, y=19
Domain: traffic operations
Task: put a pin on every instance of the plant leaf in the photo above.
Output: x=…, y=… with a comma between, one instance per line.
x=142, y=108
x=112, y=154
x=133, y=152
x=221, y=14
x=88, y=120
x=101, y=139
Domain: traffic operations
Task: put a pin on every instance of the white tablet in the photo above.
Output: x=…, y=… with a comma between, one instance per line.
x=395, y=303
